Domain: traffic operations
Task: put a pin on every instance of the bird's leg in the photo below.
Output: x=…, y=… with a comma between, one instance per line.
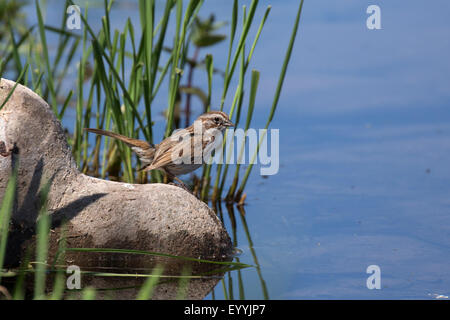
x=181, y=183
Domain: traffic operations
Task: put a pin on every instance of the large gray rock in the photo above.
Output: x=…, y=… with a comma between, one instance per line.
x=99, y=213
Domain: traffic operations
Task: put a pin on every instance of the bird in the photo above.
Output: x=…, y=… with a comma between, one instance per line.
x=179, y=153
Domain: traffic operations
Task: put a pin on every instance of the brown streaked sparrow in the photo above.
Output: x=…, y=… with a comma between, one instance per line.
x=183, y=151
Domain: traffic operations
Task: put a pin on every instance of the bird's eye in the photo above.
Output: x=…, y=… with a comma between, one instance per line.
x=216, y=119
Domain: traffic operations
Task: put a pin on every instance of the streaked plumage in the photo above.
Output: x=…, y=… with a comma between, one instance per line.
x=160, y=156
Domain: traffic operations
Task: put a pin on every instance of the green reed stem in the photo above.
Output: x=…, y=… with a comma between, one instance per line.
x=50, y=81
x=10, y=93
x=276, y=97
x=183, y=283
x=241, y=43
x=146, y=291
x=100, y=55
x=42, y=238
x=251, y=107
x=88, y=293
x=178, y=58
x=207, y=168
x=244, y=65
x=234, y=17
x=253, y=252
x=5, y=214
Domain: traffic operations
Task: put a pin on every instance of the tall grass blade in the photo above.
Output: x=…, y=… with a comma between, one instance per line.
x=265, y=292
x=146, y=291
x=240, y=47
x=59, y=284
x=276, y=97
x=183, y=284
x=238, y=99
x=10, y=93
x=251, y=107
x=45, y=52
x=101, y=53
x=5, y=215
x=258, y=33
x=88, y=293
x=207, y=168
x=15, y=49
x=149, y=7
x=178, y=57
x=19, y=286
x=234, y=17
x=42, y=238
x=239, y=94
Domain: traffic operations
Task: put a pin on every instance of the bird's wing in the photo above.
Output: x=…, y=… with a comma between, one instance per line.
x=171, y=148
x=163, y=155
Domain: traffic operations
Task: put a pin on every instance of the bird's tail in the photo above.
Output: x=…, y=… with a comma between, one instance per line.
x=143, y=149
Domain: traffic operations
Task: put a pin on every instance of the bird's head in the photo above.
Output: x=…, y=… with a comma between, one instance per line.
x=215, y=119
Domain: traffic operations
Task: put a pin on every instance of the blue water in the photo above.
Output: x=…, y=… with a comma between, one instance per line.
x=364, y=121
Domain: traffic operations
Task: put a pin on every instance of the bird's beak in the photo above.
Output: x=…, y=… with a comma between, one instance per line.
x=229, y=124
